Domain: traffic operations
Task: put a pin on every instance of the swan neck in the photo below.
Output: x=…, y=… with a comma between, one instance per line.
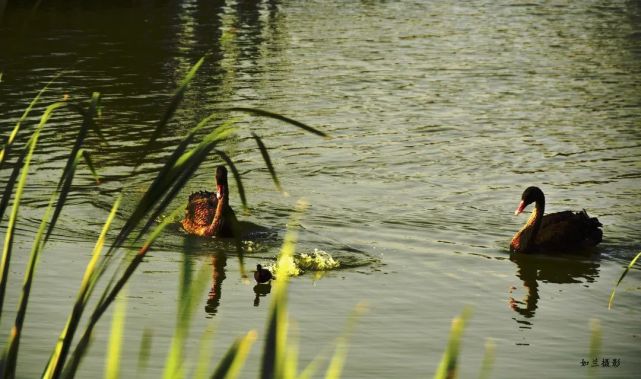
x=526, y=237
x=536, y=217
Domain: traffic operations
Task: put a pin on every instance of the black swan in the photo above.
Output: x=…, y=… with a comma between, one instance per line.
x=209, y=214
x=555, y=232
x=262, y=275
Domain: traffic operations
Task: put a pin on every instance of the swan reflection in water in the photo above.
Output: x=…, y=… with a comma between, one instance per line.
x=533, y=269
x=218, y=263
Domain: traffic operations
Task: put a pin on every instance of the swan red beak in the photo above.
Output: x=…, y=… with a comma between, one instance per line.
x=520, y=208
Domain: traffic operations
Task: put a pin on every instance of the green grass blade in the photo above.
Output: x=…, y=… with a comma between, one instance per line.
x=171, y=109
x=275, y=349
x=87, y=158
x=337, y=362
x=6, y=148
x=311, y=368
x=13, y=179
x=10, y=355
x=231, y=364
x=264, y=113
x=625, y=272
x=488, y=359
x=64, y=185
x=8, y=242
x=108, y=298
x=205, y=352
x=59, y=355
x=190, y=293
x=448, y=366
x=112, y=363
x=145, y=349
x=268, y=161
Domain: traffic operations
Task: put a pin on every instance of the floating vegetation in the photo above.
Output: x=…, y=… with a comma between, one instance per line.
x=318, y=260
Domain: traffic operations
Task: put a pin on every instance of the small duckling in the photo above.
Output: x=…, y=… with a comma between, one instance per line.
x=262, y=275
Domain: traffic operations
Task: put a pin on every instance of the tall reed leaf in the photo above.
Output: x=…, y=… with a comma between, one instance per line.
x=8, y=242
x=275, y=350
x=112, y=363
x=264, y=113
x=7, y=146
x=268, y=161
x=190, y=293
x=171, y=109
x=64, y=185
x=448, y=366
x=87, y=158
x=488, y=359
x=205, y=352
x=231, y=364
x=625, y=272
x=145, y=348
x=110, y=295
x=59, y=355
x=335, y=368
x=10, y=354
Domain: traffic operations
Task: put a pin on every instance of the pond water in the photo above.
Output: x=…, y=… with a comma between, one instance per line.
x=440, y=113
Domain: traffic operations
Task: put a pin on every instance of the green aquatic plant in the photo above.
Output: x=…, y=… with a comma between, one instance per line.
x=625, y=272
x=141, y=225
x=448, y=366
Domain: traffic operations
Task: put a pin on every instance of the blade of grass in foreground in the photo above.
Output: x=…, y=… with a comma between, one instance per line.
x=231, y=364
x=112, y=363
x=275, y=349
x=189, y=295
x=110, y=295
x=268, y=161
x=448, y=366
x=625, y=272
x=335, y=368
x=264, y=113
x=205, y=351
x=64, y=184
x=6, y=148
x=145, y=348
x=488, y=359
x=10, y=354
x=171, y=109
x=59, y=355
x=8, y=242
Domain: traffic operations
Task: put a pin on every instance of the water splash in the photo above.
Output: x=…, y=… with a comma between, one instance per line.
x=318, y=260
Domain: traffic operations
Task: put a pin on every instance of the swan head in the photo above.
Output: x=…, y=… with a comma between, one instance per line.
x=529, y=196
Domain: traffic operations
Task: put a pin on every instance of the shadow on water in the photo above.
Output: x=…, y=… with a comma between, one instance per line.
x=536, y=269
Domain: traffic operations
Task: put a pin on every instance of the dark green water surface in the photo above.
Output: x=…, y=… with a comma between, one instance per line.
x=441, y=114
